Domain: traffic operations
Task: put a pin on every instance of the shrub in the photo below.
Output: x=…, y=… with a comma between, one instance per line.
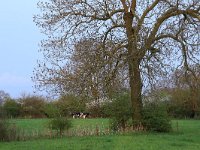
x=51, y=111
x=2, y=112
x=32, y=106
x=3, y=130
x=12, y=108
x=60, y=124
x=119, y=110
x=155, y=118
x=96, y=111
x=70, y=103
x=8, y=132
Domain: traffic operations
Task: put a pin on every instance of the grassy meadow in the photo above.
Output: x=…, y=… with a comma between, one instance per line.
x=42, y=124
x=185, y=136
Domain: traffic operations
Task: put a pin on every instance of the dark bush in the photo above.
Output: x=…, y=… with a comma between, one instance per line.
x=119, y=110
x=96, y=111
x=32, y=106
x=2, y=113
x=155, y=118
x=3, y=130
x=11, y=108
x=60, y=124
x=51, y=110
x=8, y=132
x=70, y=103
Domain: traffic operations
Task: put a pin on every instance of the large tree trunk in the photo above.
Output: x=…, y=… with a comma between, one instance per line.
x=134, y=59
x=136, y=90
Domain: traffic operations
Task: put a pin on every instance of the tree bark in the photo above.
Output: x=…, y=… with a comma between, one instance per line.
x=134, y=60
x=136, y=90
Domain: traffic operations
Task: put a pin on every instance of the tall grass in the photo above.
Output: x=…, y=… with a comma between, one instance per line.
x=29, y=129
x=185, y=136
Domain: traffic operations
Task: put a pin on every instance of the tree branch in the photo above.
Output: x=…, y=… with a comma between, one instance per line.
x=170, y=13
x=141, y=20
x=133, y=6
x=124, y=5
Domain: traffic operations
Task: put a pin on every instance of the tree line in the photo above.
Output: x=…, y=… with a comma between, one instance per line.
x=179, y=94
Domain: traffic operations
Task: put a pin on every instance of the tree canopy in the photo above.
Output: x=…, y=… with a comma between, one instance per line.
x=130, y=40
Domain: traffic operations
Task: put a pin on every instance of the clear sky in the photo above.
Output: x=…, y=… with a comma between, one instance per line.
x=19, y=39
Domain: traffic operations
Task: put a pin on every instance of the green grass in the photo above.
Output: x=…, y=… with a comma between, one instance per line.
x=185, y=137
x=89, y=122
x=34, y=128
x=42, y=124
x=30, y=124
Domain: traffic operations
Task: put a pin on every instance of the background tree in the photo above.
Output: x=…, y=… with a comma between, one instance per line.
x=180, y=92
x=3, y=96
x=187, y=90
x=68, y=104
x=51, y=110
x=32, y=106
x=12, y=108
x=148, y=36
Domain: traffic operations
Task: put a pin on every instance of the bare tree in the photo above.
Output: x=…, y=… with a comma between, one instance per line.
x=3, y=96
x=190, y=81
x=97, y=68
x=151, y=36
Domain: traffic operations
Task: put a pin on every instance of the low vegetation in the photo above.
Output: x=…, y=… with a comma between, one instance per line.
x=60, y=124
x=185, y=135
x=3, y=130
x=155, y=117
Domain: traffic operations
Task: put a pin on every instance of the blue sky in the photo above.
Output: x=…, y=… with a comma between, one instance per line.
x=19, y=39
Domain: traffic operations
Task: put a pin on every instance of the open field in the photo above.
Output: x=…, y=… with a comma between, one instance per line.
x=186, y=138
x=42, y=124
x=34, y=128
